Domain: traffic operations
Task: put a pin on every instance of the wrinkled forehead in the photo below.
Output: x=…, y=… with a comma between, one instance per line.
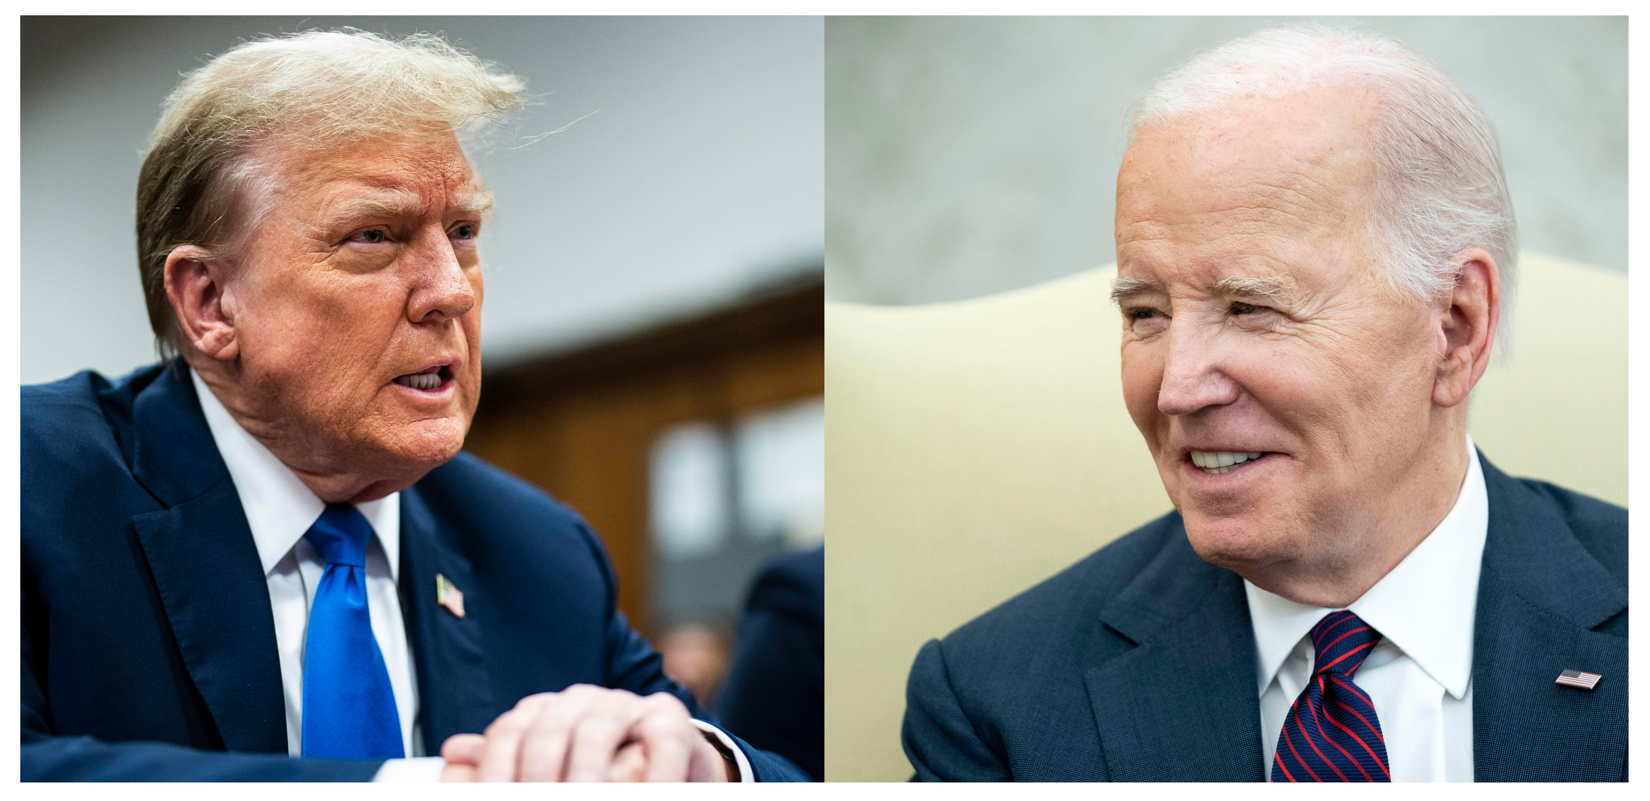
x=1301, y=159
x=406, y=176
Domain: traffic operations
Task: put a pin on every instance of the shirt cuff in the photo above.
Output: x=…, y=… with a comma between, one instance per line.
x=428, y=769
x=746, y=775
x=416, y=769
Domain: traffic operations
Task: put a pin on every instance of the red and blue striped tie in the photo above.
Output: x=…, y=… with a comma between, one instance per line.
x=1331, y=733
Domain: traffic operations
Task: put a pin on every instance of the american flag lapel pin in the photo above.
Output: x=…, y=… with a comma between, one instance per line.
x=1576, y=678
x=448, y=596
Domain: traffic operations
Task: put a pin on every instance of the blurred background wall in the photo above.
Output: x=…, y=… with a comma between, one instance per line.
x=653, y=331
x=967, y=156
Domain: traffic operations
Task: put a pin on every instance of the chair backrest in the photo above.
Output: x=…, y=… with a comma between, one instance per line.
x=976, y=448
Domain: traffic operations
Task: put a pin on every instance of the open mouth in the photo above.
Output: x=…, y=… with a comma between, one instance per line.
x=1217, y=462
x=428, y=380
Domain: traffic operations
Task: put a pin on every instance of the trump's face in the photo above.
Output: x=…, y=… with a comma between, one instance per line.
x=357, y=309
x=1285, y=391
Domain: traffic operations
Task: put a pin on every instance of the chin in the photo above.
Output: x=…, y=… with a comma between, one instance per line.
x=424, y=446
x=1231, y=542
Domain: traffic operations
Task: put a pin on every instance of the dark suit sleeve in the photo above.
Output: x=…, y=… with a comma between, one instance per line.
x=939, y=739
x=631, y=662
x=47, y=757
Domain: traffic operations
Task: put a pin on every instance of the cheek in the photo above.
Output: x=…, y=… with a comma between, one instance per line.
x=470, y=325
x=1384, y=373
x=333, y=340
x=1142, y=378
x=1342, y=397
x=1297, y=387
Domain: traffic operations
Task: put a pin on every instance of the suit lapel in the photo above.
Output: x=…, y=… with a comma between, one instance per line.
x=1539, y=597
x=453, y=685
x=1182, y=705
x=206, y=568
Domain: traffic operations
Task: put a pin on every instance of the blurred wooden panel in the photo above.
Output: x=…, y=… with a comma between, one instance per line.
x=581, y=425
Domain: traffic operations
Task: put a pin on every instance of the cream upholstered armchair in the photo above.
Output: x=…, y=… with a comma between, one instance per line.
x=976, y=448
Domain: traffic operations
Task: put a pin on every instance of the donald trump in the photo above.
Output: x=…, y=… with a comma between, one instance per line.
x=265, y=557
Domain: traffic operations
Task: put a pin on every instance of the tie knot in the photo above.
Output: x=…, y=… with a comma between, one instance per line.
x=340, y=535
x=1342, y=641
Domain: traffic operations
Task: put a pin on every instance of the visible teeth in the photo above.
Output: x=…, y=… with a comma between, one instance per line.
x=424, y=381
x=1217, y=462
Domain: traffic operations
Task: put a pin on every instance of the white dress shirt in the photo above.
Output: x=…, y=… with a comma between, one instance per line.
x=1420, y=673
x=280, y=508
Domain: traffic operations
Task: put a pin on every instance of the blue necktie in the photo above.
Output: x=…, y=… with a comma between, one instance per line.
x=349, y=709
x=1331, y=733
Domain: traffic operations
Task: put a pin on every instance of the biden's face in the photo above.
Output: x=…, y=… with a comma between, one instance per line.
x=358, y=309
x=1284, y=389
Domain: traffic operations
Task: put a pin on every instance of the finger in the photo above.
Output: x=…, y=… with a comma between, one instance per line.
x=455, y=772
x=503, y=746
x=543, y=755
x=668, y=734
x=464, y=749
x=599, y=733
x=669, y=748
x=629, y=765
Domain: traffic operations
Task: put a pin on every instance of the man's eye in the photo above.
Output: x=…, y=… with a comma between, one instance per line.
x=1143, y=313
x=370, y=236
x=465, y=231
x=1245, y=308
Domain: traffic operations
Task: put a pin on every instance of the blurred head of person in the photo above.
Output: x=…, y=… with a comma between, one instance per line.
x=1313, y=239
x=696, y=656
x=307, y=227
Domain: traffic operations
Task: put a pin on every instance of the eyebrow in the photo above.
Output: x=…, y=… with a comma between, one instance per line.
x=397, y=203
x=477, y=202
x=1254, y=287
x=1126, y=289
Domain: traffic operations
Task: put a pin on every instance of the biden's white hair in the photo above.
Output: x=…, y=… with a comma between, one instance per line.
x=1439, y=183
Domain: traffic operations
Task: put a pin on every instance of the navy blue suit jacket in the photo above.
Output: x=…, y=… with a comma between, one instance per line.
x=1138, y=663
x=775, y=691
x=148, y=642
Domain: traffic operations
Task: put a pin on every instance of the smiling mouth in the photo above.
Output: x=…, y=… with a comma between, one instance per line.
x=427, y=380
x=1217, y=462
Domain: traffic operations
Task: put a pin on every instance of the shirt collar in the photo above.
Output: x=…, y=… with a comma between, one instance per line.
x=1425, y=606
x=279, y=507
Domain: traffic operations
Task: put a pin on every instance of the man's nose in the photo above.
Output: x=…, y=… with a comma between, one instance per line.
x=441, y=289
x=1193, y=374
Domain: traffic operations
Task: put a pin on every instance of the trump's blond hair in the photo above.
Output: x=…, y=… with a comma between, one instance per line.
x=207, y=166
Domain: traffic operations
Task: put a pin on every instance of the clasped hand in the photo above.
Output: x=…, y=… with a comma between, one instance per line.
x=587, y=733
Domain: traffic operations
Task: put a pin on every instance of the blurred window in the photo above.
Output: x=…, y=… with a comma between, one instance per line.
x=690, y=491
x=781, y=472
x=727, y=496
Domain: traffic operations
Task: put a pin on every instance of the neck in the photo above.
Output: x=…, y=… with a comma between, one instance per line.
x=1417, y=505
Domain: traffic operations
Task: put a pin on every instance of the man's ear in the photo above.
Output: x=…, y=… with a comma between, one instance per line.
x=195, y=284
x=1468, y=324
